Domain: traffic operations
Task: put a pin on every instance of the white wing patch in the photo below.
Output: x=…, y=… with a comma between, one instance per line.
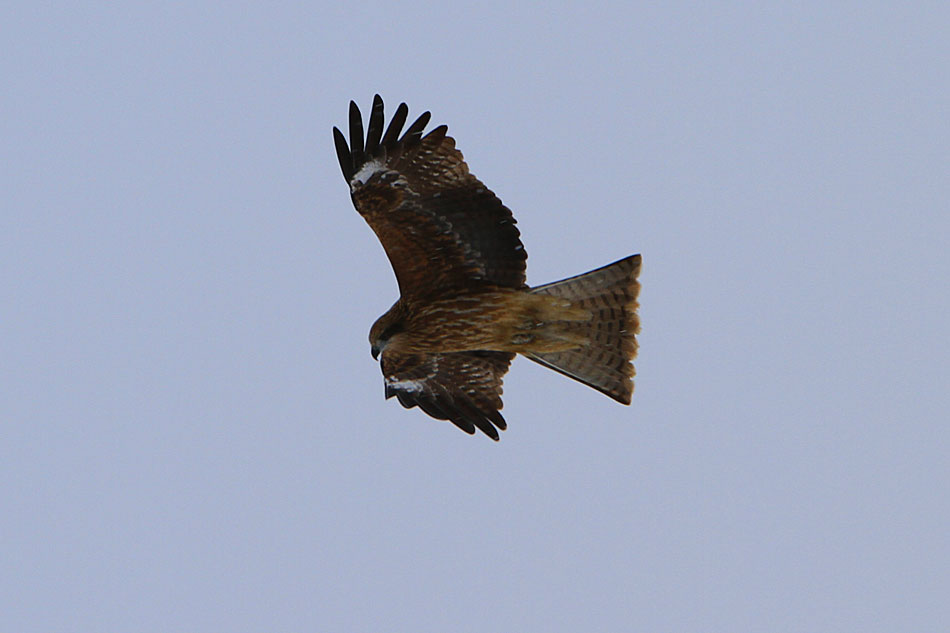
x=413, y=385
x=405, y=385
x=365, y=173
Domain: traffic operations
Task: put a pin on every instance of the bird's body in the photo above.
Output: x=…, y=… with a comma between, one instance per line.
x=464, y=309
x=487, y=319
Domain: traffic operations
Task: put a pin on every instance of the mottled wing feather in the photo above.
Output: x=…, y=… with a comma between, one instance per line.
x=440, y=226
x=463, y=387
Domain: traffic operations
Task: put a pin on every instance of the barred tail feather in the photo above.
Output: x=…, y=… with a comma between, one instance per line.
x=610, y=294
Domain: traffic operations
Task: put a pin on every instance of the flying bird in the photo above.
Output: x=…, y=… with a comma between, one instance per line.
x=464, y=308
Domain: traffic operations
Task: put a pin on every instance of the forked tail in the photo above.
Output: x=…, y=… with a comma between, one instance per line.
x=604, y=363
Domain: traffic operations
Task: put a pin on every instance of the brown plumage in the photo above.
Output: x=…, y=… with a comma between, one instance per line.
x=464, y=309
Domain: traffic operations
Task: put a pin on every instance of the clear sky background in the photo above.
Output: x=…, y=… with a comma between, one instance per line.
x=193, y=435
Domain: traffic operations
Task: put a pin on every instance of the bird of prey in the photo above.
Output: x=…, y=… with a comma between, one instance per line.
x=464, y=308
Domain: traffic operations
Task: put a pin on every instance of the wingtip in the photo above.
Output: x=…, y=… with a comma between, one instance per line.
x=375, y=131
x=464, y=425
x=357, y=144
x=395, y=126
x=498, y=420
x=414, y=133
x=355, y=115
x=438, y=132
x=343, y=153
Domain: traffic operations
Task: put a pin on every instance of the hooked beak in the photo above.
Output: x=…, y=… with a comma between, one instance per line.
x=375, y=352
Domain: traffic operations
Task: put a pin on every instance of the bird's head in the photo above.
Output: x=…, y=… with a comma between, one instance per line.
x=384, y=329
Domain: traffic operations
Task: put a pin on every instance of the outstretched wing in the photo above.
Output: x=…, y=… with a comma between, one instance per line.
x=440, y=226
x=462, y=387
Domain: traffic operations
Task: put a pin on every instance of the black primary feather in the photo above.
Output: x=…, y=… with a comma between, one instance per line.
x=375, y=131
x=395, y=126
x=343, y=154
x=356, y=136
x=414, y=133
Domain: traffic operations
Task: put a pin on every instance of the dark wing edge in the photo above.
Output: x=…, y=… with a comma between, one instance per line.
x=461, y=387
x=358, y=152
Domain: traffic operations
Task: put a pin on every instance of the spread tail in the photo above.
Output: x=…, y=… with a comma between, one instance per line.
x=610, y=294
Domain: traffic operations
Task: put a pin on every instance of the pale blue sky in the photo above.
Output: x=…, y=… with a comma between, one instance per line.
x=193, y=435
